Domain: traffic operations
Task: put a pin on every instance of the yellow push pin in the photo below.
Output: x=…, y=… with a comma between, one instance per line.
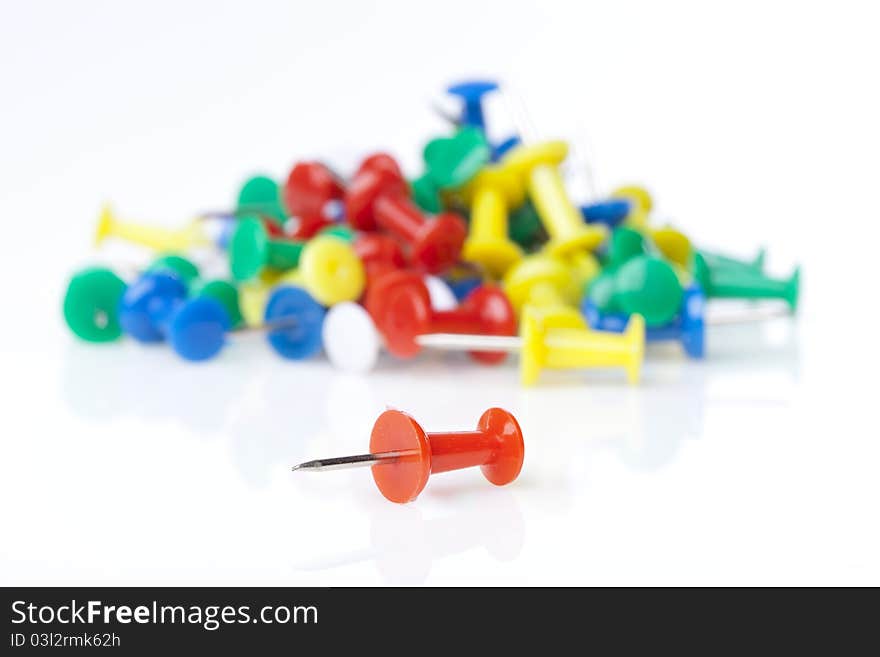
x=569, y=348
x=564, y=223
x=673, y=245
x=154, y=237
x=547, y=347
x=543, y=284
x=584, y=267
x=329, y=270
x=641, y=204
x=492, y=193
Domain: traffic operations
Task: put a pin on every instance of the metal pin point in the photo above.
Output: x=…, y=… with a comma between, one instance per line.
x=356, y=461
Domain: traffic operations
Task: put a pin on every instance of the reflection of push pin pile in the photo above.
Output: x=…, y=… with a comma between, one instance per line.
x=365, y=262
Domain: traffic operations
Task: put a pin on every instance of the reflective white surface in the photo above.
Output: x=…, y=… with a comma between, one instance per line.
x=123, y=465
x=135, y=467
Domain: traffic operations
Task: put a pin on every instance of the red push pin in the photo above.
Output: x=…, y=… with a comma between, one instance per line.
x=379, y=254
x=379, y=196
x=313, y=194
x=403, y=456
x=400, y=305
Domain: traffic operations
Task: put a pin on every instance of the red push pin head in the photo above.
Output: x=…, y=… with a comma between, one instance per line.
x=378, y=175
x=379, y=196
x=403, y=456
x=400, y=305
x=310, y=186
x=379, y=254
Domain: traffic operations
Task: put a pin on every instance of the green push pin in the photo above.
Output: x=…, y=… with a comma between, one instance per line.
x=452, y=161
x=745, y=283
x=602, y=293
x=649, y=286
x=177, y=265
x=525, y=228
x=260, y=195
x=426, y=194
x=625, y=244
x=91, y=304
x=718, y=260
x=251, y=250
x=223, y=292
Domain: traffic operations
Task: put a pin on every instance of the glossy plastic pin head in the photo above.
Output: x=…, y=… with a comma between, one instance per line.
x=260, y=195
x=377, y=175
x=648, y=286
x=625, y=243
x=293, y=321
x=350, y=337
x=331, y=270
x=471, y=93
x=312, y=189
x=91, y=304
x=177, y=265
x=197, y=330
x=453, y=161
x=148, y=304
x=251, y=250
x=674, y=245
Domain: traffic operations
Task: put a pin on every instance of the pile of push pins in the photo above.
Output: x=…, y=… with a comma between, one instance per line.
x=484, y=252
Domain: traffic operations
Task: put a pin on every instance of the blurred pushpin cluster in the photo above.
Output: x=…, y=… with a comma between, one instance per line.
x=483, y=250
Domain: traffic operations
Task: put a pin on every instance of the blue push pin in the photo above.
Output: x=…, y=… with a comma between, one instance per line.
x=472, y=92
x=155, y=308
x=500, y=150
x=610, y=212
x=688, y=327
x=293, y=321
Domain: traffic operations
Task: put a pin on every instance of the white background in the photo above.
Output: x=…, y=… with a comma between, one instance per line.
x=754, y=123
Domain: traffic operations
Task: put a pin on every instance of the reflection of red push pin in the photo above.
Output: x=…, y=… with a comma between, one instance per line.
x=379, y=197
x=401, y=307
x=403, y=456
